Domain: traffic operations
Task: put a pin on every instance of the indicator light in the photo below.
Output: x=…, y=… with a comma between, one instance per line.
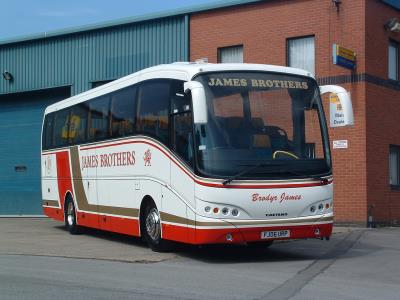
x=320, y=206
x=216, y=210
x=312, y=208
x=235, y=212
x=327, y=205
x=207, y=209
x=225, y=210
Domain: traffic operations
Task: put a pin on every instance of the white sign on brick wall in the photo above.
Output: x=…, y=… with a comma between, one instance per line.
x=340, y=144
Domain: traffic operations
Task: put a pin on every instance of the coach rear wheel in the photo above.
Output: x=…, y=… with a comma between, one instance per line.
x=151, y=228
x=70, y=217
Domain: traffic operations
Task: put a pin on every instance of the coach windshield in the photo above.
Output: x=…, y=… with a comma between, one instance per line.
x=262, y=125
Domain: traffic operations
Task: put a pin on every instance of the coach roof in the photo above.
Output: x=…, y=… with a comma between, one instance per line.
x=180, y=70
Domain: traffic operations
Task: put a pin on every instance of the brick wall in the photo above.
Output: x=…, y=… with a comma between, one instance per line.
x=263, y=29
x=382, y=115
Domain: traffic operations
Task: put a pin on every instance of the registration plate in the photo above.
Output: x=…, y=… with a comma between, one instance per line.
x=275, y=234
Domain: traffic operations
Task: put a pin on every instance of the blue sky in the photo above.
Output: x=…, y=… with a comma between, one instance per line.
x=25, y=17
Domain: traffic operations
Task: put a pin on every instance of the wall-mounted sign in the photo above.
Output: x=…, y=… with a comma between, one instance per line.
x=340, y=144
x=344, y=57
x=336, y=111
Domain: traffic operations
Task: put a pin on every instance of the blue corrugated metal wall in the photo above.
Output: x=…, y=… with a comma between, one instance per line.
x=82, y=58
x=74, y=60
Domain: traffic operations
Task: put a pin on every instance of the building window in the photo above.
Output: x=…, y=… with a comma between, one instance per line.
x=393, y=64
x=394, y=166
x=232, y=54
x=301, y=53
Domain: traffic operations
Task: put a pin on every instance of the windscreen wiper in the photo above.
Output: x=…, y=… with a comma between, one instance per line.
x=263, y=164
x=317, y=177
x=250, y=168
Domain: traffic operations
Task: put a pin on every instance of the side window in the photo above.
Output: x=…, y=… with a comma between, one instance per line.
x=61, y=127
x=47, y=139
x=99, y=128
x=123, y=112
x=78, y=123
x=153, y=109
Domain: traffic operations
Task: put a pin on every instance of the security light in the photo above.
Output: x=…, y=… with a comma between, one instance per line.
x=393, y=25
x=7, y=75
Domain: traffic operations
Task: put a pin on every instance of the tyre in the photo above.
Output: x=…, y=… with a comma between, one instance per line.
x=70, y=217
x=151, y=229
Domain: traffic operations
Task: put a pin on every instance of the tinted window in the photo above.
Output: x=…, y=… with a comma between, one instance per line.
x=61, y=127
x=123, y=112
x=48, y=131
x=78, y=123
x=153, y=109
x=99, y=118
x=183, y=136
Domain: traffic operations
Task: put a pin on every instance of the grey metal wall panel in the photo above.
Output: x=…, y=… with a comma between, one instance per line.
x=104, y=54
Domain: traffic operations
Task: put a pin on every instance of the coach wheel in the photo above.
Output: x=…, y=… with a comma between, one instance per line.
x=70, y=217
x=151, y=226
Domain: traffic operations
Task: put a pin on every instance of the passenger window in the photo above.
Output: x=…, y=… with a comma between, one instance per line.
x=78, y=123
x=47, y=141
x=123, y=112
x=153, y=109
x=99, y=119
x=61, y=128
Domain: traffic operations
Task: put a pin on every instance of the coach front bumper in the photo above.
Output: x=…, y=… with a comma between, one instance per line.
x=212, y=231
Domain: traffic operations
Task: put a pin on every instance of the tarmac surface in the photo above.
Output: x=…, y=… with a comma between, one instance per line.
x=40, y=260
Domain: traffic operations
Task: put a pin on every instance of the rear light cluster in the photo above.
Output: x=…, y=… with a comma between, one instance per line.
x=321, y=207
x=224, y=211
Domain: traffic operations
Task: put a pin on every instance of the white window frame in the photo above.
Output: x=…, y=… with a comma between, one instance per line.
x=300, y=60
x=394, y=166
x=393, y=74
x=230, y=50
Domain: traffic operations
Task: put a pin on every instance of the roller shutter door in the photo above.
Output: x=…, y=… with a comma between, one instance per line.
x=21, y=118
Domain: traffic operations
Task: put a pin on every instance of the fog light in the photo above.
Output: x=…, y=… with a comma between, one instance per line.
x=225, y=210
x=216, y=210
x=316, y=231
x=229, y=237
x=235, y=212
x=312, y=208
x=207, y=209
x=321, y=206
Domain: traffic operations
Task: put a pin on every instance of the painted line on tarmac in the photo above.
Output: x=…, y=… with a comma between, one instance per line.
x=132, y=261
x=293, y=285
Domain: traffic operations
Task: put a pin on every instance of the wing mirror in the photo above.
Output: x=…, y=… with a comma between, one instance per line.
x=341, y=108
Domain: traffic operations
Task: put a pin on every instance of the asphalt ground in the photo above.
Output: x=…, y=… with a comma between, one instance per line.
x=40, y=260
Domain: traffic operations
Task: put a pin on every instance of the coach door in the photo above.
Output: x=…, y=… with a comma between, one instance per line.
x=182, y=144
